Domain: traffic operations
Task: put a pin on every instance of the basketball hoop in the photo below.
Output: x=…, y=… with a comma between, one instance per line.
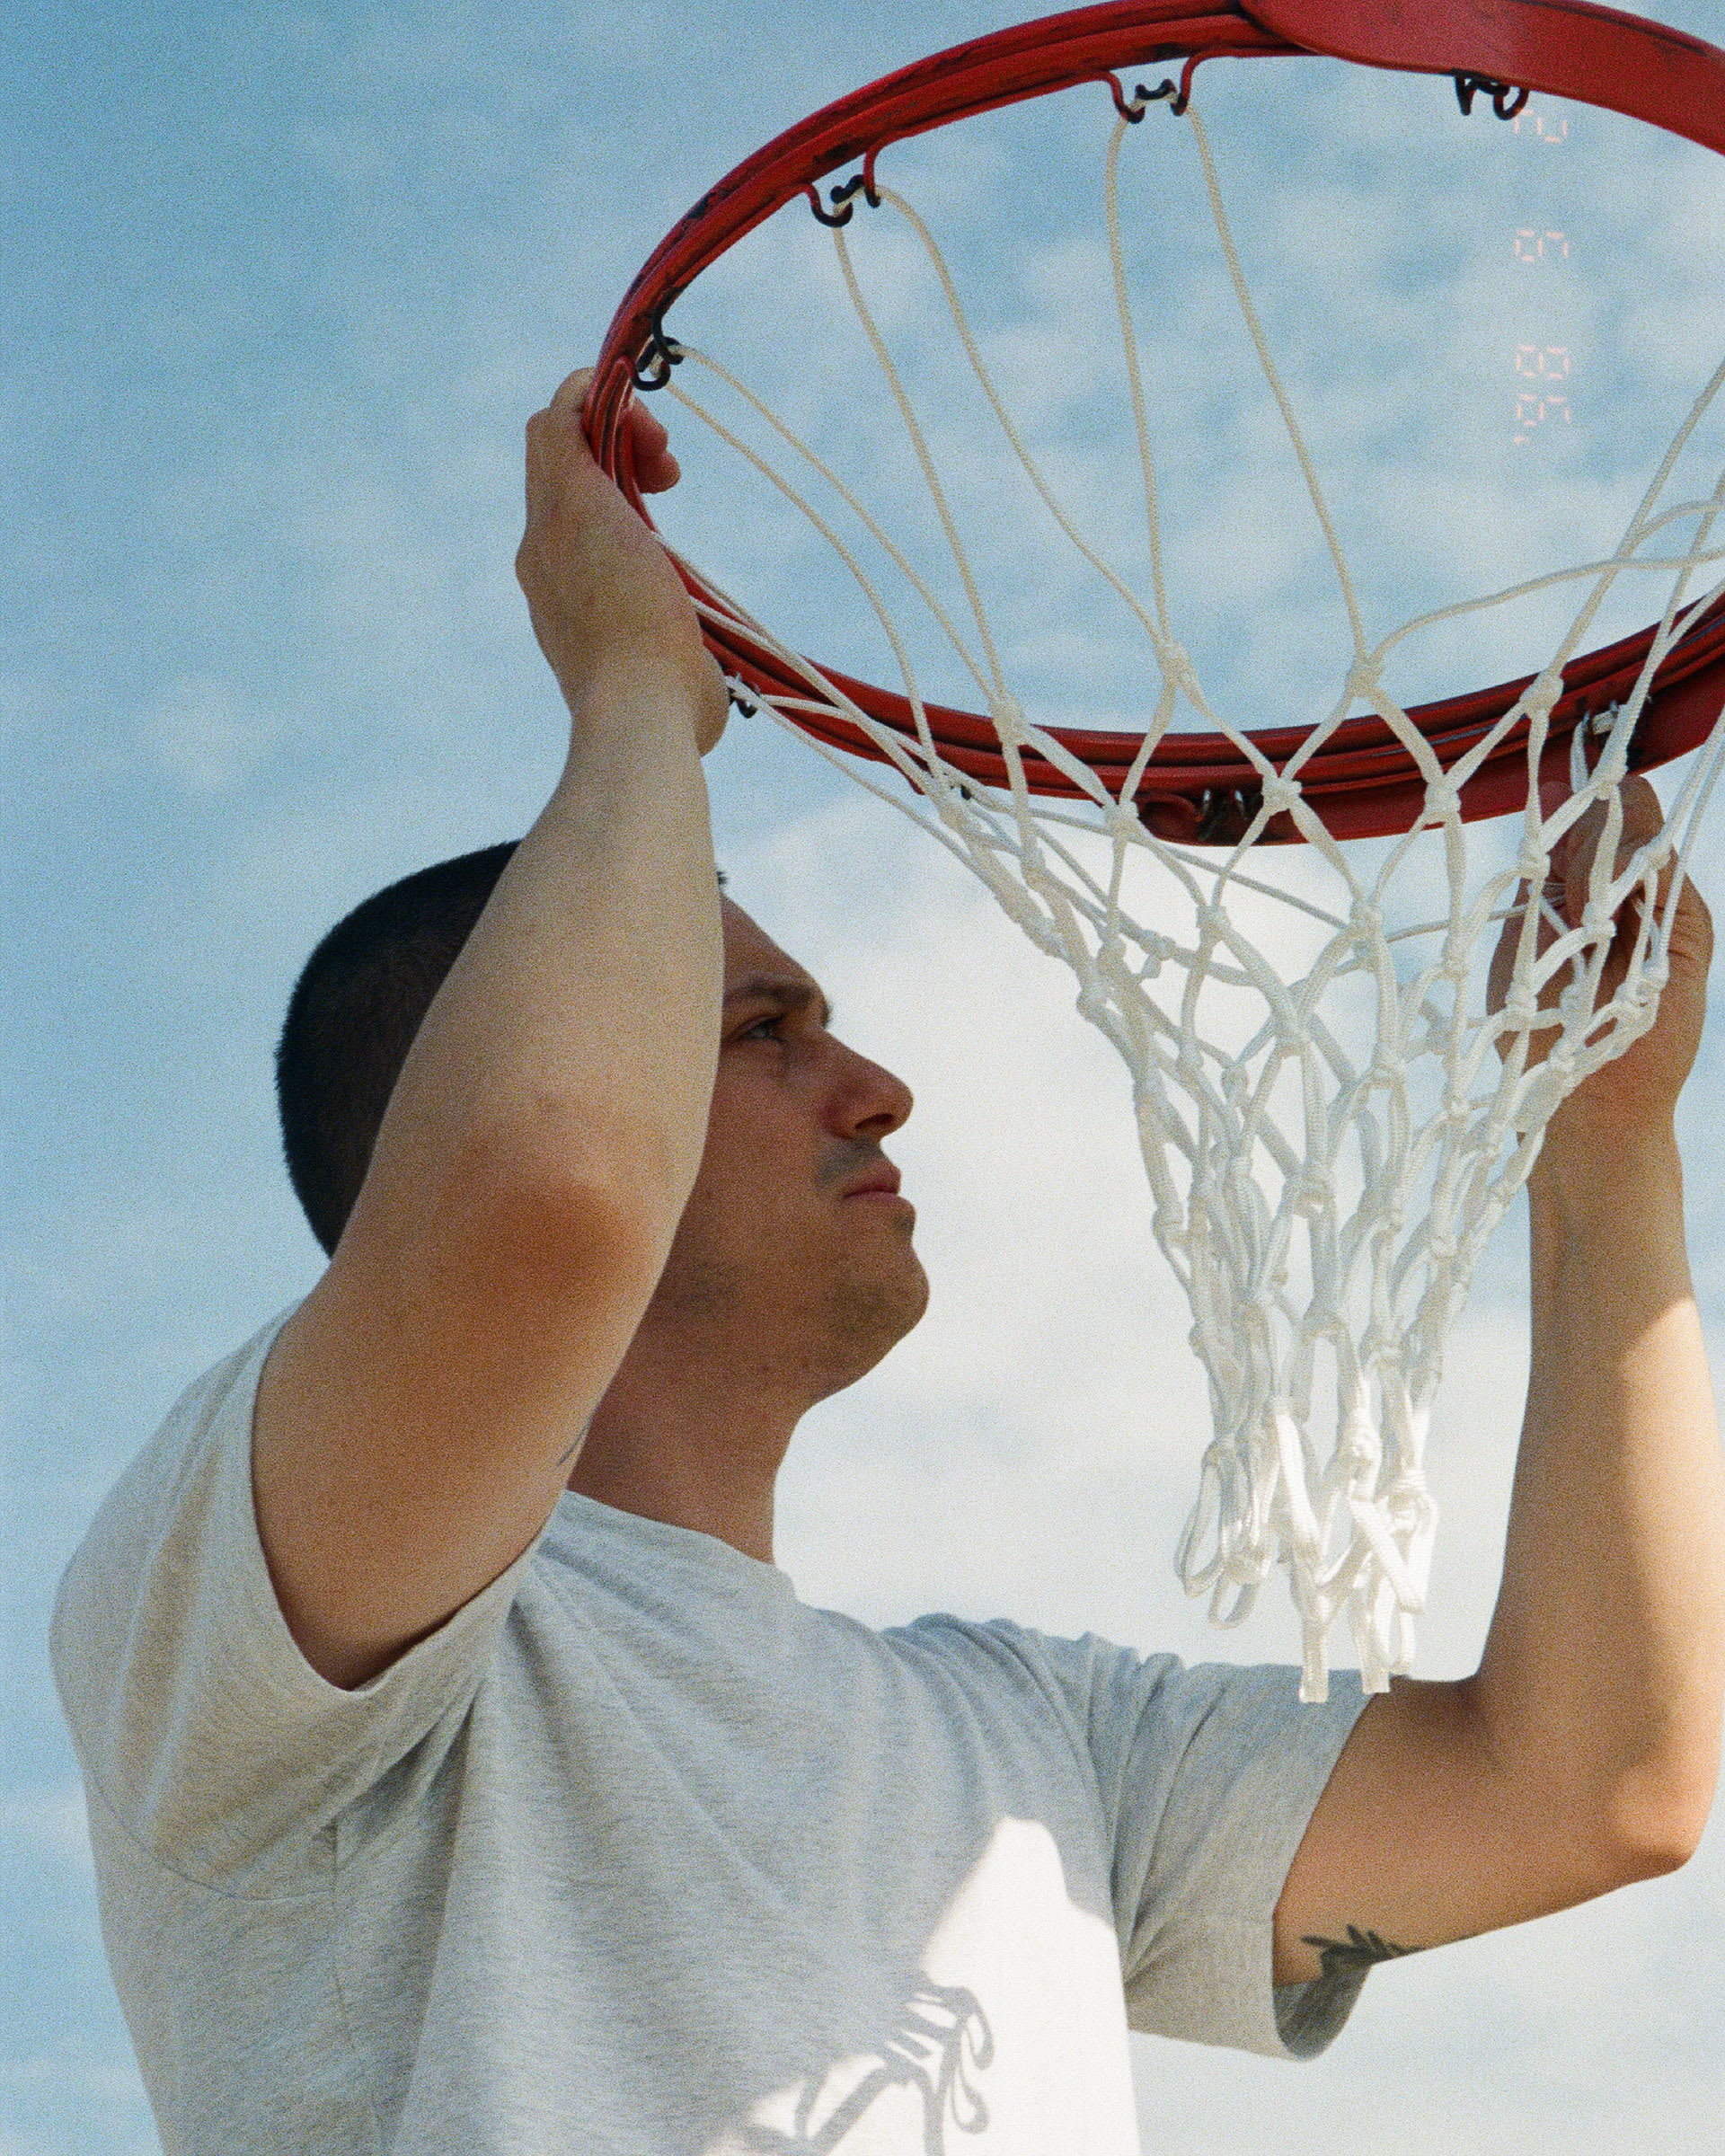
x=1321, y=1203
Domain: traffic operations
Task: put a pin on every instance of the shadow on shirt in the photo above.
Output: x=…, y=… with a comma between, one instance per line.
x=940, y=2041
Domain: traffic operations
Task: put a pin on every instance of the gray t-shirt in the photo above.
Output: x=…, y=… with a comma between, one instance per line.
x=639, y=1855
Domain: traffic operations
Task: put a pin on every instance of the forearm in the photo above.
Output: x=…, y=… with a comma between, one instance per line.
x=1604, y=1666
x=561, y=1079
x=576, y=1035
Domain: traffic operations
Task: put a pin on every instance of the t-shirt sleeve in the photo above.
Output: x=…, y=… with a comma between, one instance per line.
x=215, y=1744
x=1206, y=1779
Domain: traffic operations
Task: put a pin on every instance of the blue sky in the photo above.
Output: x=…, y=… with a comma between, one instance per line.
x=283, y=284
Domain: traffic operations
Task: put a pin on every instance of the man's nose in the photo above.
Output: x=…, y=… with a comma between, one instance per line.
x=867, y=1101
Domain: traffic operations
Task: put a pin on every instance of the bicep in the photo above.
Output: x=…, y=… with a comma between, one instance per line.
x=1425, y=1834
x=416, y=1413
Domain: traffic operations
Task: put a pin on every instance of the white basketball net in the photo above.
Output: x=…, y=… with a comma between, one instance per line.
x=1330, y=1139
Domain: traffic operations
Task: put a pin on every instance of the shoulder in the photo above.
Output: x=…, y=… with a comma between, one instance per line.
x=1088, y=1685
x=193, y=1478
x=998, y=1650
x=1132, y=1712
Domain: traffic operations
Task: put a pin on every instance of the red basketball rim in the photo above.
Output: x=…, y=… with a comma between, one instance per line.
x=1199, y=787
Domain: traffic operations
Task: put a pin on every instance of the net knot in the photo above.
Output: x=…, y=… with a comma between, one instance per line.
x=1542, y=693
x=1280, y=796
x=1443, y=799
x=1008, y=716
x=1364, y=682
x=1366, y=921
x=1178, y=672
x=1022, y=908
x=1157, y=951
x=1311, y=1194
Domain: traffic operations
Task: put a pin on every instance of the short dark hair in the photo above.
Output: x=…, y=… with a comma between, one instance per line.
x=352, y=1017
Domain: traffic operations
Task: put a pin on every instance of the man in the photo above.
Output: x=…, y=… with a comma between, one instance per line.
x=463, y=1775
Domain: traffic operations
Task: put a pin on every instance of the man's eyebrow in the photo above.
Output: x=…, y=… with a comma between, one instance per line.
x=781, y=989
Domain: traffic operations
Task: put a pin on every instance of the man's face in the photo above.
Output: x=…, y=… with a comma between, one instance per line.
x=791, y=1252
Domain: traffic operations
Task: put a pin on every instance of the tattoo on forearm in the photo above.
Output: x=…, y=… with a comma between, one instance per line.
x=1359, y=1950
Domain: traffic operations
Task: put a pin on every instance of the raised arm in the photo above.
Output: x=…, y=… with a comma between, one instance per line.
x=416, y=1414
x=1583, y=1752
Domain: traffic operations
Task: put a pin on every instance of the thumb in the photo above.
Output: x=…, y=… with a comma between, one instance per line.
x=715, y=708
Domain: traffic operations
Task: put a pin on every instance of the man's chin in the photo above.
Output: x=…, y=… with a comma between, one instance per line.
x=870, y=1317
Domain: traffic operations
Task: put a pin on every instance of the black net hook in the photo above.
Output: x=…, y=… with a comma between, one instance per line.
x=661, y=353
x=844, y=197
x=1507, y=100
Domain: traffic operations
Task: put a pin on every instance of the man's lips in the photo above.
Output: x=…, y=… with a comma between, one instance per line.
x=876, y=1182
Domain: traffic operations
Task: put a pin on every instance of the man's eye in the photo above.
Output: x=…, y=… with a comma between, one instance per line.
x=763, y=1026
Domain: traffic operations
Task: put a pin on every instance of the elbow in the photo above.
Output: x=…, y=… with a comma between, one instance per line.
x=549, y=1196
x=1648, y=1852
x=1656, y=1817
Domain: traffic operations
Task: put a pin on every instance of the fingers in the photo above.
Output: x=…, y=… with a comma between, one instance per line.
x=1643, y=819
x=1638, y=817
x=1692, y=931
x=600, y=586
x=1684, y=923
x=648, y=438
x=554, y=438
x=556, y=434
x=1657, y=916
x=656, y=469
x=1641, y=802
x=645, y=426
x=1690, y=928
x=656, y=474
x=1642, y=816
x=572, y=393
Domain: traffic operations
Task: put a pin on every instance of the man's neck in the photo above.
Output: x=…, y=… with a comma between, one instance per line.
x=692, y=1456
